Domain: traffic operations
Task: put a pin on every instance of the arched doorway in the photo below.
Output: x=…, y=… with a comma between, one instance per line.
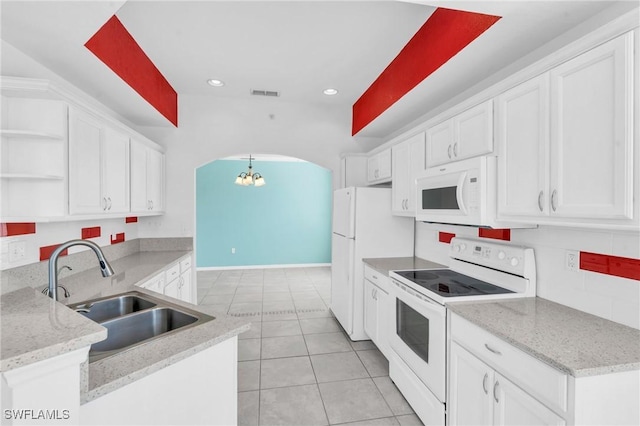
x=286, y=222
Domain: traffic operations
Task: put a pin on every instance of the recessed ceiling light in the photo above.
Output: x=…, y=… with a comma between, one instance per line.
x=215, y=83
x=330, y=92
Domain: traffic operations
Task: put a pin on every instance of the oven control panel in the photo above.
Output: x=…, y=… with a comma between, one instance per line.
x=508, y=258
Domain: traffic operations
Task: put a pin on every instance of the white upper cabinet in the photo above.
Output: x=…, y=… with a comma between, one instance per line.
x=147, y=179
x=85, y=187
x=522, y=135
x=115, y=163
x=408, y=161
x=379, y=167
x=98, y=166
x=592, y=133
x=565, y=142
x=468, y=134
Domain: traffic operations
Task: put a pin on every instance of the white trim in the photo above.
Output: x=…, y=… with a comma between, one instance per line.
x=292, y=265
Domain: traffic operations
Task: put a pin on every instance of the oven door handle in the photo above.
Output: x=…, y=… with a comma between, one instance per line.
x=459, y=192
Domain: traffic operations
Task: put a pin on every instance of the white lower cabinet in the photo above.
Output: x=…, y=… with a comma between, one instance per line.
x=491, y=382
x=479, y=395
x=175, y=281
x=198, y=390
x=376, y=309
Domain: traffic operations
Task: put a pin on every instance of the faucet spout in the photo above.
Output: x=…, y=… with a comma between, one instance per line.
x=105, y=268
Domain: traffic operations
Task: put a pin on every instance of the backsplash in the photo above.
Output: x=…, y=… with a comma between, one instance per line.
x=23, y=244
x=599, y=293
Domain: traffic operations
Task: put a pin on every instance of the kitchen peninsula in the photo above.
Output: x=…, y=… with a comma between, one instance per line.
x=187, y=375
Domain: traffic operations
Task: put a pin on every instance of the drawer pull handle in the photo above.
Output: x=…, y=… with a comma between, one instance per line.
x=374, y=277
x=490, y=349
x=484, y=383
x=495, y=391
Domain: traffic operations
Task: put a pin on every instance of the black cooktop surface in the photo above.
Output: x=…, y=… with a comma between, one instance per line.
x=448, y=283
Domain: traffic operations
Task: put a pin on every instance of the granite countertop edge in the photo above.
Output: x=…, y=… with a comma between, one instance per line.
x=598, y=368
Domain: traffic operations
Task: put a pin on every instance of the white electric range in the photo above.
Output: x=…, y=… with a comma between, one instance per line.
x=478, y=270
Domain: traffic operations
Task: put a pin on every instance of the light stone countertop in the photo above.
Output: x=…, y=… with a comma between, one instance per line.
x=384, y=265
x=35, y=328
x=569, y=340
x=29, y=334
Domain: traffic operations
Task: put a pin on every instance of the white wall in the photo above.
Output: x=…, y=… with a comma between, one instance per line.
x=614, y=298
x=213, y=127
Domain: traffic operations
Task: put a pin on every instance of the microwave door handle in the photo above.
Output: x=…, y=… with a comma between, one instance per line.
x=461, y=180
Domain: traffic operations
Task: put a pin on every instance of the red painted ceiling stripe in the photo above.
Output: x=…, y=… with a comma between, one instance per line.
x=625, y=267
x=445, y=33
x=11, y=229
x=114, y=46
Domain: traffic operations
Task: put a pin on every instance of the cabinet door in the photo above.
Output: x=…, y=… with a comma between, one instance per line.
x=372, y=168
x=440, y=143
x=370, y=311
x=523, y=140
x=591, y=133
x=473, y=132
x=115, y=166
x=470, y=385
x=85, y=179
x=139, y=200
x=155, y=180
x=186, y=289
x=384, y=164
x=416, y=166
x=172, y=289
x=513, y=406
x=400, y=180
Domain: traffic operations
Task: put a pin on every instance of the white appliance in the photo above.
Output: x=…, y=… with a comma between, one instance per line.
x=463, y=192
x=362, y=227
x=479, y=270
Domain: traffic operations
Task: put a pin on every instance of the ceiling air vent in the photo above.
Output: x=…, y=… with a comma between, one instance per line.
x=272, y=93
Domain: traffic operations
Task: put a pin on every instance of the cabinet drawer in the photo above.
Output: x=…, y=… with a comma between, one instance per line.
x=185, y=264
x=377, y=278
x=543, y=382
x=173, y=272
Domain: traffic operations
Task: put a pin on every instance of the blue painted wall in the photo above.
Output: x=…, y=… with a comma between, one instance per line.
x=287, y=221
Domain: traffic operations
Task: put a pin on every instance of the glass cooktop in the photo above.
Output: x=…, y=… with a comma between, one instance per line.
x=448, y=283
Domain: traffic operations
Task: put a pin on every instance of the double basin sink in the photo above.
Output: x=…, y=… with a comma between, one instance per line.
x=134, y=318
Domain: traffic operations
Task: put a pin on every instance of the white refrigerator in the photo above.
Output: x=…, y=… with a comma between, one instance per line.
x=363, y=227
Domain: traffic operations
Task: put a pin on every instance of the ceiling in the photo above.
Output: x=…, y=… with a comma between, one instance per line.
x=297, y=48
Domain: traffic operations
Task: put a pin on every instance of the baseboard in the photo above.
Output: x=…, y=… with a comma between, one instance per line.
x=293, y=265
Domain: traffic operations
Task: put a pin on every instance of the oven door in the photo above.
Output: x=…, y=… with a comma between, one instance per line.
x=417, y=335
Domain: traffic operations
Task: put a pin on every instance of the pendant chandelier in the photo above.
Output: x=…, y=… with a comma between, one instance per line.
x=249, y=177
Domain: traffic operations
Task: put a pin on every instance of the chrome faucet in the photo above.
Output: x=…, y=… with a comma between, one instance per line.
x=105, y=268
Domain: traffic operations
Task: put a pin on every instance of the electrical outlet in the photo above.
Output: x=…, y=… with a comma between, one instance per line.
x=572, y=260
x=233, y=250
x=17, y=251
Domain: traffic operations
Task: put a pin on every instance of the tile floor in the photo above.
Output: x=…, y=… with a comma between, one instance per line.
x=296, y=366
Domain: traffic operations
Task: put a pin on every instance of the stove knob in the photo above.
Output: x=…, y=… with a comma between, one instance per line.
x=456, y=248
x=463, y=247
x=501, y=255
x=514, y=261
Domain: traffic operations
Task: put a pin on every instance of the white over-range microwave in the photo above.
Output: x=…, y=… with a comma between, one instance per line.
x=461, y=193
